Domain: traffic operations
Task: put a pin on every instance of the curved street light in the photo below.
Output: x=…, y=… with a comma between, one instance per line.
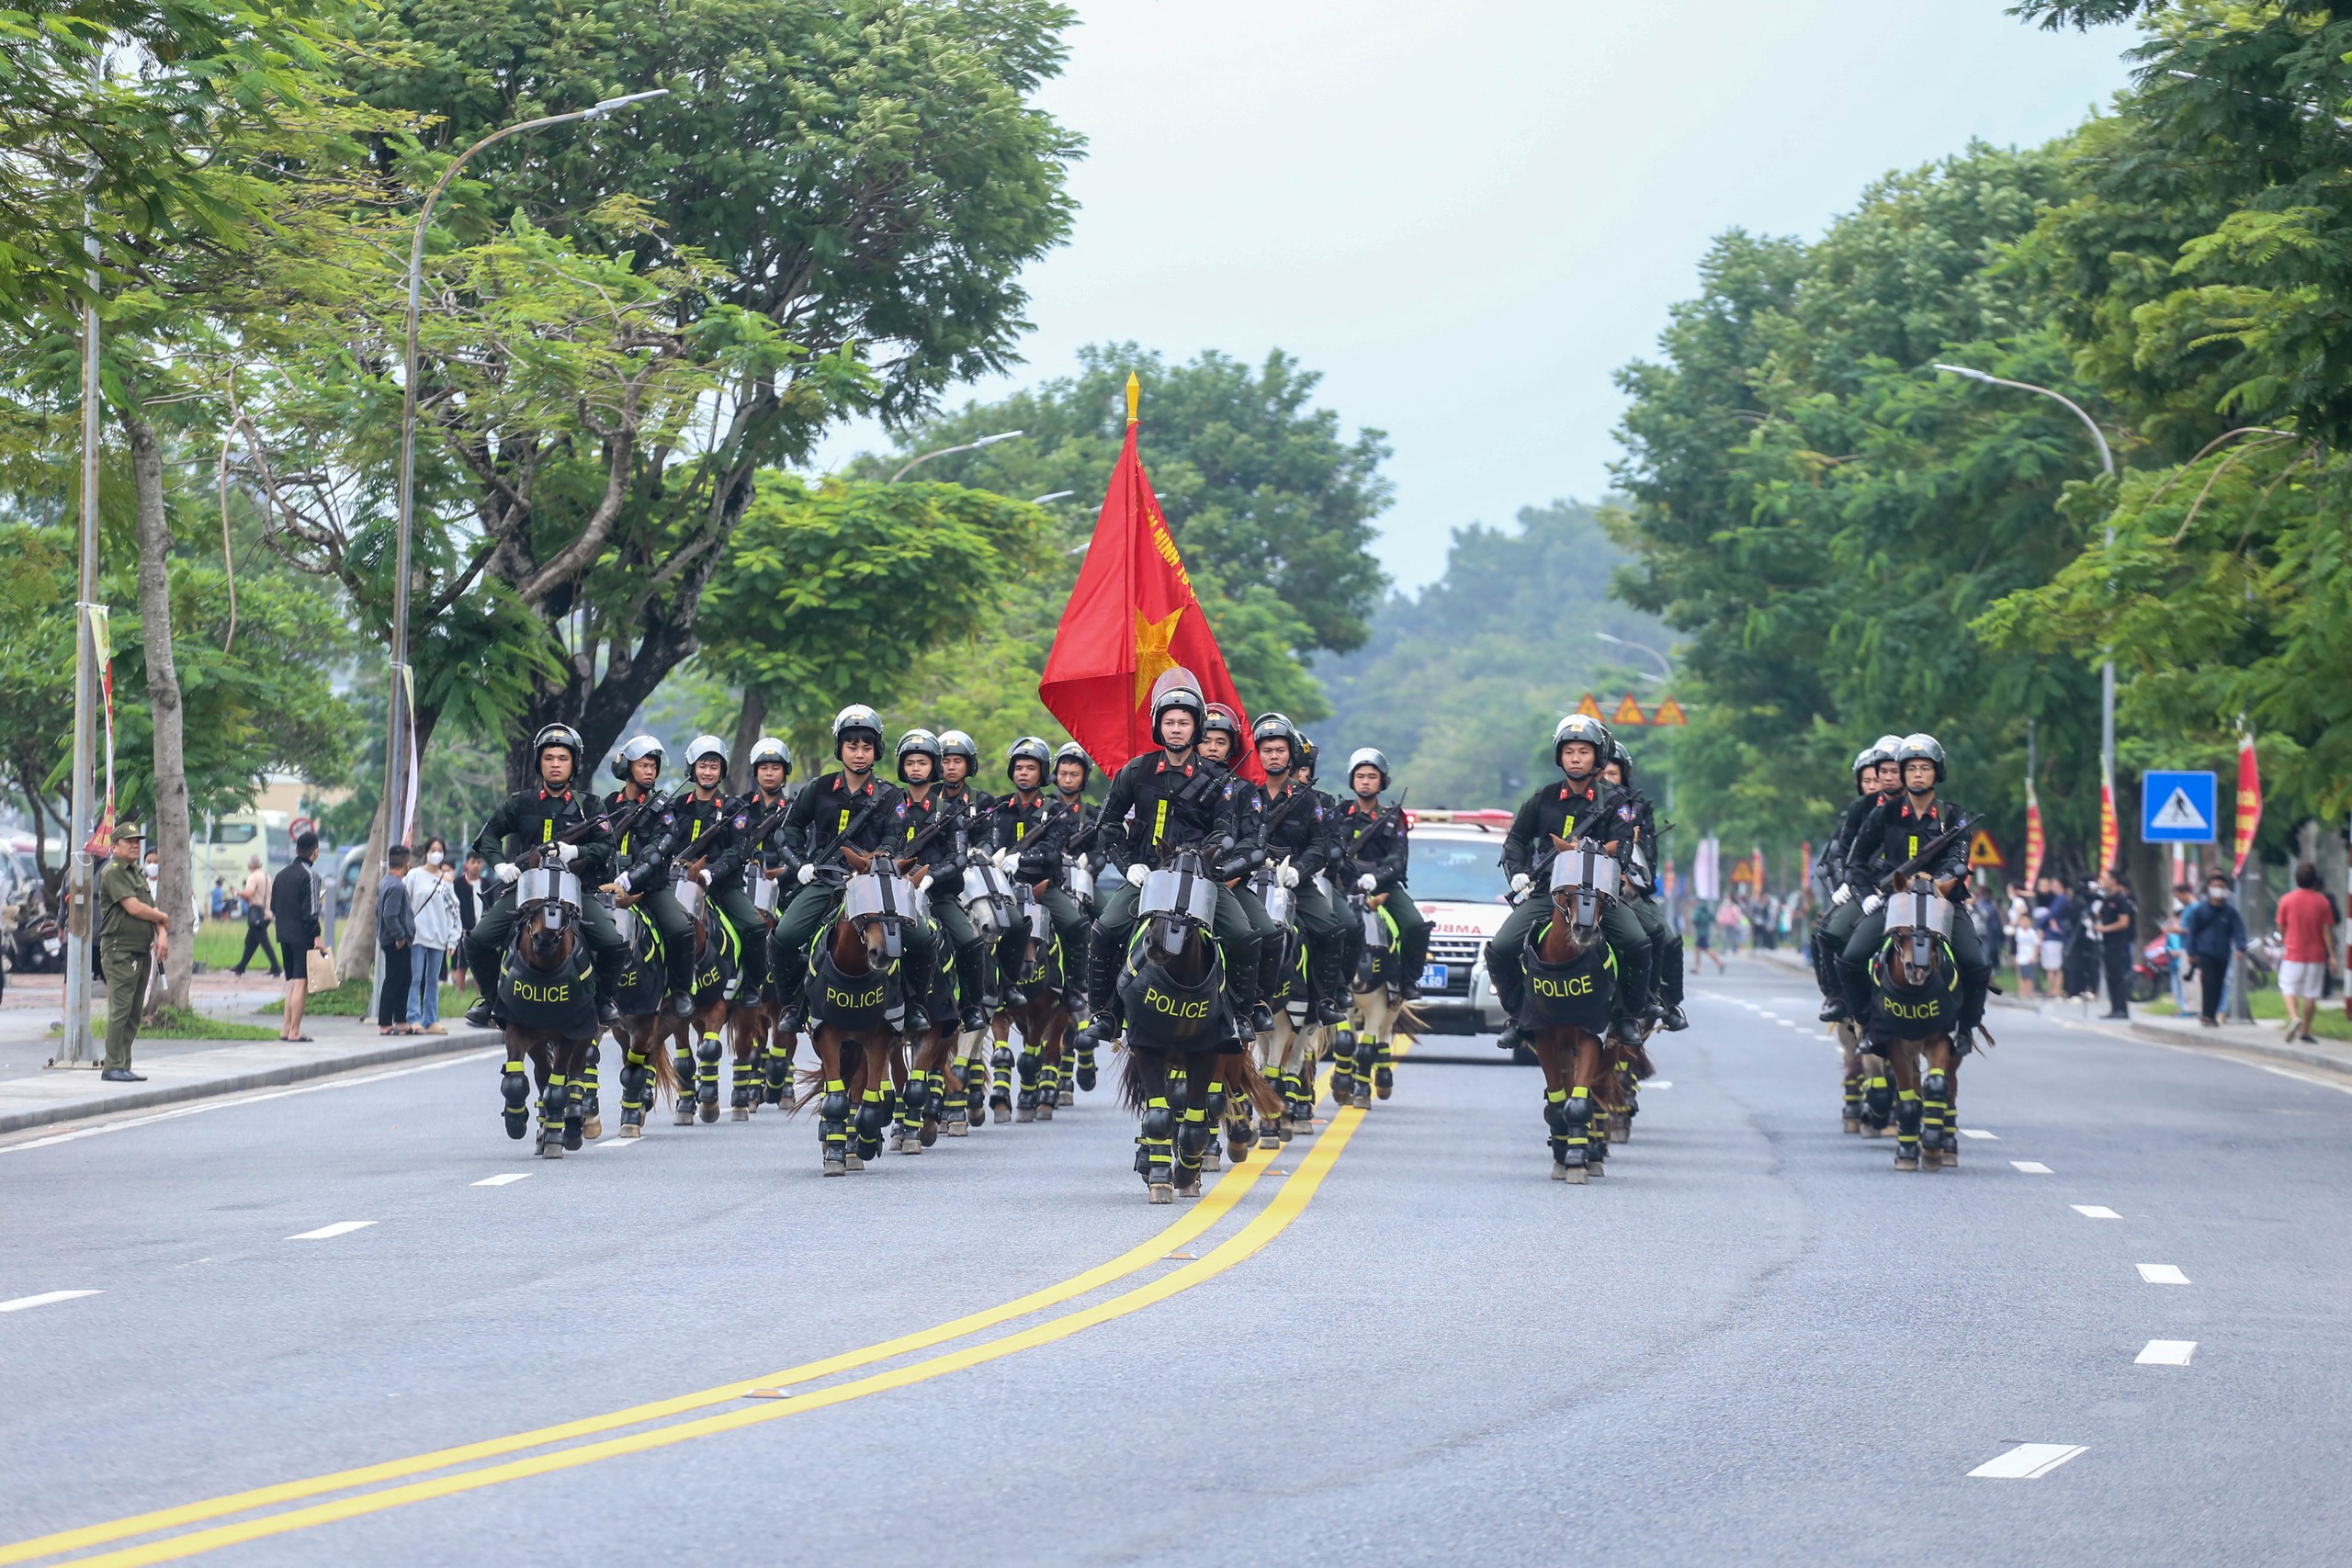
x=1051, y=495
x=1628, y=642
x=395, y=777
x=2106, y=465
x=966, y=446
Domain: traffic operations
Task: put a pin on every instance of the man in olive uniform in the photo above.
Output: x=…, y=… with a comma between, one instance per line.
x=1582, y=806
x=1375, y=855
x=1177, y=800
x=848, y=807
x=133, y=936
x=538, y=819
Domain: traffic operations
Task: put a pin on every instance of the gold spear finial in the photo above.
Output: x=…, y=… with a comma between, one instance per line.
x=1135, y=395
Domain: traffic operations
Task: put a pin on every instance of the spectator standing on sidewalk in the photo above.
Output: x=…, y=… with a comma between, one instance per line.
x=395, y=939
x=2307, y=923
x=294, y=903
x=433, y=901
x=2212, y=931
x=133, y=938
x=2184, y=898
x=2057, y=914
x=469, y=902
x=2115, y=919
x=2027, y=938
x=256, y=895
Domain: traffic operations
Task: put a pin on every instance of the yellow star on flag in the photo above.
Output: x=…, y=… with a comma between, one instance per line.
x=1152, y=658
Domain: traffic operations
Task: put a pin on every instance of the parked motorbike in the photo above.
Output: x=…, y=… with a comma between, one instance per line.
x=36, y=945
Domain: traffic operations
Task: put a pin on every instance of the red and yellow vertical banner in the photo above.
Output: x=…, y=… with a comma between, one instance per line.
x=2249, y=801
x=2035, y=844
x=2109, y=836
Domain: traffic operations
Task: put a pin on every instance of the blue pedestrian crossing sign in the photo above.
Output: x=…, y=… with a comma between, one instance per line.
x=2178, y=808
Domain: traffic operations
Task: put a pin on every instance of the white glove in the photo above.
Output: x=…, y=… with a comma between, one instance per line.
x=924, y=885
x=1287, y=877
x=1006, y=862
x=1520, y=883
x=807, y=875
x=1137, y=872
x=1873, y=904
x=1367, y=883
x=505, y=871
x=566, y=853
x=1845, y=895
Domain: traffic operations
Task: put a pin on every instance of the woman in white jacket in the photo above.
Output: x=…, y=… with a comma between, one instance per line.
x=434, y=902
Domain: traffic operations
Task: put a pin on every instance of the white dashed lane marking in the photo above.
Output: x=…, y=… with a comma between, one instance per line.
x=2031, y=1166
x=506, y=1179
x=45, y=1298
x=2027, y=1461
x=2166, y=1353
x=2163, y=1274
x=2096, y=1212
x=328, y=1233
x=1980, y=1132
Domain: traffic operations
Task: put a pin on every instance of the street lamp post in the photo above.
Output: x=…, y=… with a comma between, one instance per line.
x=966, y=446
x=2106, y=465
x=395, y=777
x=1664, y=665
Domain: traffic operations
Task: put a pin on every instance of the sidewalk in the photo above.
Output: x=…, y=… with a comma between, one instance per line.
x=2259, y=1040
x=33, y=1094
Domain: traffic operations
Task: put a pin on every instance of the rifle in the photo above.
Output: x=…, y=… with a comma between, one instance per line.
x=1395, y=813
x=1928, y=851
x=587, y=829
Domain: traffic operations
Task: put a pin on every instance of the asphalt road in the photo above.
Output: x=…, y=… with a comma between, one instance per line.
x=1752, y=1342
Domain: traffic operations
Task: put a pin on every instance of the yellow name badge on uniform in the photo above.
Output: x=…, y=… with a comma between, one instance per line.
x=1913, y=852
x=1160, y=823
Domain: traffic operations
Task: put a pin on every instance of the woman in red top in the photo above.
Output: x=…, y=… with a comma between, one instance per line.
x=2307, y=921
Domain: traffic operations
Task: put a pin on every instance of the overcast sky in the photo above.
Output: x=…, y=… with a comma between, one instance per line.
x=1467, y=213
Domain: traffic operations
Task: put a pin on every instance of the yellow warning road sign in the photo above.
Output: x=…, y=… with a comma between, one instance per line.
x=1984, y=854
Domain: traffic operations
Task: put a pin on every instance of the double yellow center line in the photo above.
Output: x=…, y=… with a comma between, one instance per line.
x=1288, y=1201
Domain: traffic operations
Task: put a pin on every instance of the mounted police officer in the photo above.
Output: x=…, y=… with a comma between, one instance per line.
x=1301, y=827
x=1220, y=740
x=1030, y=830
x=847, y=808
x=1375, y=855
x=1895, y=832
x=924, y=810
x=1878, y=778
x=1584, y=804
x=696, y=832
x=730, y=871
x=1164, y=800
x=1641, y=863
x=536, y=819
x=642, y=876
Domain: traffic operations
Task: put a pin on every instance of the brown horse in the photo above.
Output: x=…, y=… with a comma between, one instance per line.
x=861, y=1057
x=1919, y=980
x=1574, y=1081
x=1044, y=1018
x=696, y=1038
x=551, y=1015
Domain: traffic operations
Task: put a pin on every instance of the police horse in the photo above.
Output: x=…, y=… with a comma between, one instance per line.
x=547, y=988
x=1286, y=1053
x=1362, y=1046
x=1571, y=985
x=1179, y=1028
x=1914, y=1008
x=856, y=1008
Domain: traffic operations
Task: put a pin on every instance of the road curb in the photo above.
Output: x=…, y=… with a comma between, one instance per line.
x=237, y=1083
x=2279, y=1050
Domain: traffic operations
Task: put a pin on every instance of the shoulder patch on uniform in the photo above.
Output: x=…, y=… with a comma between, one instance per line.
x=669, y=816
x=743, y=820
x=1627, y=812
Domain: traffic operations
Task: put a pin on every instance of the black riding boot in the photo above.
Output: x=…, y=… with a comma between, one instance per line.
x=1103, y=986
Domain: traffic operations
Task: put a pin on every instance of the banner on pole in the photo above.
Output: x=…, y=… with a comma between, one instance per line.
x=2249, y=801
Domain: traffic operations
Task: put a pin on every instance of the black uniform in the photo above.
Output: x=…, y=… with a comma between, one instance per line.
x=1837, y=925
x=1369, y=846
x=821, y=815
x=1038, y=831
x=536, y=818
x=1302, y=825
x=1566, y=810
x=729, y=874
x=1158, y=805
x=945, y=856
x=1892, y=833
x=693, y=829
x=1666, y=942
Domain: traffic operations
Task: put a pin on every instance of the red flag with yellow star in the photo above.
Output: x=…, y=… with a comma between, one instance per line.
x=1132, y=616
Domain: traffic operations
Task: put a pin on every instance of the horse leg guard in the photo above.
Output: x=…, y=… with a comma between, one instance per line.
x=1027, y=1101
x=1936, y=1135
x=555, y=1110
x=745, y=1088
x=872, y=1117
x=1383, y=1074
x=1001, y=1082
x=1854, y=1101
x=635, y=1078
x=683, y=1065
x=1906, y=1130
x=1086, y=1073
x=591, y=1080
x=1343, y=1066
x=1154, y=1149
x=1192, y=1142
x=515, y=1087
x=1878, y=1096
x=707, y=1055
x=779, y=1075
x=1577, y=1111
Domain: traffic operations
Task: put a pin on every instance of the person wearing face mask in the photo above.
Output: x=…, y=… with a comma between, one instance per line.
x=2212, y=931
x=433, y=905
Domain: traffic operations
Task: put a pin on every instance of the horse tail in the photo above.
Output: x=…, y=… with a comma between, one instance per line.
x=1143, y=1077
x=1239, y=1071
x=665, y=1072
